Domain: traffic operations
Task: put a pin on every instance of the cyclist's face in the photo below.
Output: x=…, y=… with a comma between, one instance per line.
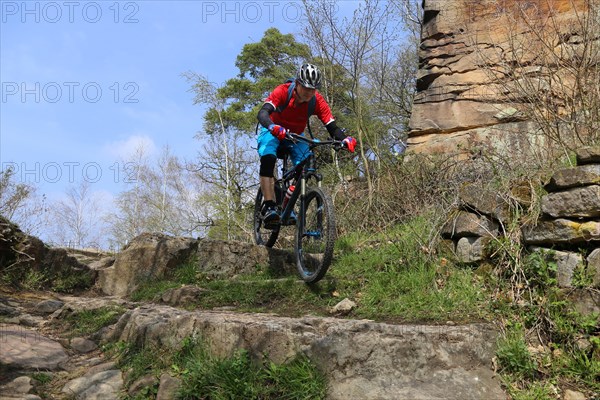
x=304, y=93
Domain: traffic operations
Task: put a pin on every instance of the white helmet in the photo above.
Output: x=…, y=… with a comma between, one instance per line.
x=309, y=76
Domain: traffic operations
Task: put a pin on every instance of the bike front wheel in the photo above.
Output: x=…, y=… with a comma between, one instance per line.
x=315, y=235
x=262, y=236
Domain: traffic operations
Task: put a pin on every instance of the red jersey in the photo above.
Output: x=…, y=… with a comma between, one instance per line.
x=295, y=117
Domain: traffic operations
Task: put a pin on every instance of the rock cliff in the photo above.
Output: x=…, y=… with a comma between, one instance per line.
x=475, y=59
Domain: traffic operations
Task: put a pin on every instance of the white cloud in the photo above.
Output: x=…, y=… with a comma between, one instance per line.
x=132, y=148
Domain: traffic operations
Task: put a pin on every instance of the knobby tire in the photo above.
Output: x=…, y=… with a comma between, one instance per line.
x=315, y=235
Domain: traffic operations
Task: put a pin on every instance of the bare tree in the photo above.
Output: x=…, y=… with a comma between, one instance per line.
x=229, y=171
x=226, y=163
x=76, y=218
x=128, y=220
x=368, y=49
x=161, y=196
x=20, y=202
x=208, y=93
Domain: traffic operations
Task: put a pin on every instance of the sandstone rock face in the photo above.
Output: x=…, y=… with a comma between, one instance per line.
x=474, y=58
x=365, y=360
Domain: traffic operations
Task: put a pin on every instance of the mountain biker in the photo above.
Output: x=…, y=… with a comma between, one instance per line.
x=293, y=118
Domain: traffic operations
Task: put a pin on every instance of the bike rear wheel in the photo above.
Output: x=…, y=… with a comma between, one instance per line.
x=263, y=236
x=315, y=235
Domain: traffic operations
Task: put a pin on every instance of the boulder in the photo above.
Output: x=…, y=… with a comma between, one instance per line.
x=182, y=296
x=155, y=256
x=18, y=386
x=485, y=202
x=343, y=307
x=148, y=256
x=8, y=311
x=23, y=253
x=168, y=387
x=147, y=381
x=229, y=258
x=99, y=386
x=83, y=345
x=593, y=261
x=48, y=306
x=472, y=249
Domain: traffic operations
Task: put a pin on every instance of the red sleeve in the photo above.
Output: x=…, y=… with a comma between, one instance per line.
x=278, y=96
x=322, y=110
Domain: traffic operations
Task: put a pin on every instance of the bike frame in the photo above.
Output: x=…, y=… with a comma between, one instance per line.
x=299, y=174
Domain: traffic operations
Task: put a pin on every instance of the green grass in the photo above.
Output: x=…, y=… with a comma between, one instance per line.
x=185, y=274
x=391, y=278
x=86, y=322
x=400, y=279
x=42, y=384
x=148, y=290
x=63, y=280
x=205, y=376
x=560, y=360
x=240, y=377
x=513, y=355
x=70, y=281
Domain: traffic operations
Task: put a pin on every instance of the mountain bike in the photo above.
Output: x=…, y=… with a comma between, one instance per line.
x=309, y=207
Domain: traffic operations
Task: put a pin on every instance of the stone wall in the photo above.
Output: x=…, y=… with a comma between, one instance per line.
x=567, y=232
x=473, y=57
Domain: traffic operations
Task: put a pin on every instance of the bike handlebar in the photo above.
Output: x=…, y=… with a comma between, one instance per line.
x=337, y=144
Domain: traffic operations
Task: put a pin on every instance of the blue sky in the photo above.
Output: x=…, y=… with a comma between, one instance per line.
x=83, y=82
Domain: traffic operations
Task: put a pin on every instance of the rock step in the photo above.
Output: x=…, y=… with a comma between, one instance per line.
x=26, y=349
x=362, y=359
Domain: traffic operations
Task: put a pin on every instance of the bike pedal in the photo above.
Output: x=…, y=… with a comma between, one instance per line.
x=272, y=224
